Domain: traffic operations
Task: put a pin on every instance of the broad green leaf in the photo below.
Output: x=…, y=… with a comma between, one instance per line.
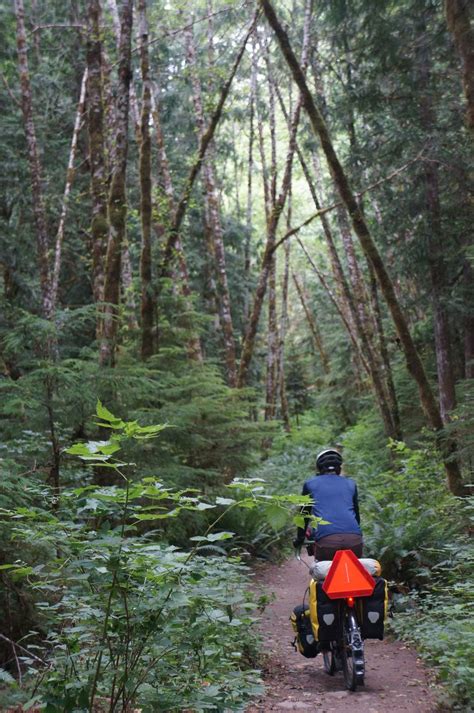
x=276, y=516
x=104, y=413
x=225, y=501
x=204, y=506
x=298, y=520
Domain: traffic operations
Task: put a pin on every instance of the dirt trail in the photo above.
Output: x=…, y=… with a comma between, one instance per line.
x=395, y=679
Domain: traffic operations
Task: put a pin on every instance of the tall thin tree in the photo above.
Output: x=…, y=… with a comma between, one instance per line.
x=117, y=199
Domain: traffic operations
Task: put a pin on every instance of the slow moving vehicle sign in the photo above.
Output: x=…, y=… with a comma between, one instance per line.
x=347, y=577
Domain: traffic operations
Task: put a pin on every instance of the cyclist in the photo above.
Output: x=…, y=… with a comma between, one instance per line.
x=334, y=501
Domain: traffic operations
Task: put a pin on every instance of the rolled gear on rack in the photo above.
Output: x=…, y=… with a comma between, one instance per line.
x=320, y=569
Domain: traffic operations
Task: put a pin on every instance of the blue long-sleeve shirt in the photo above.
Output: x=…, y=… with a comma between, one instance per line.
x=335, y=500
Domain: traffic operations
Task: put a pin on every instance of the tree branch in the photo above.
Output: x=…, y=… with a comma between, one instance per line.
x=358, y=195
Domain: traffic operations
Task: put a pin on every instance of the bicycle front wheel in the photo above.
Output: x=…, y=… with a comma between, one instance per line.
x=352, y=653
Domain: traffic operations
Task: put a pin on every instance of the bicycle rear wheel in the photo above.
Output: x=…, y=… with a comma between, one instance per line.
x=329, y=662
x=352, y=653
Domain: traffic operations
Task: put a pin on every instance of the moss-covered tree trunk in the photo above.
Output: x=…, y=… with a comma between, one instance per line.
x=117, y=199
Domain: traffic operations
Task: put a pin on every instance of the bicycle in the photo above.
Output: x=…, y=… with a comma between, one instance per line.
x=346, y=653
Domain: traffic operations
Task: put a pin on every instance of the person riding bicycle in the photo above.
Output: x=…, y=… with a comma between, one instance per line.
x=335, y=501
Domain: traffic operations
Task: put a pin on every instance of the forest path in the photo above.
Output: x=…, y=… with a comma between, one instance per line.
x=395, y=680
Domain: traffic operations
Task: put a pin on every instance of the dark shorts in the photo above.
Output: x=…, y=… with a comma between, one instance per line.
x=326, y=547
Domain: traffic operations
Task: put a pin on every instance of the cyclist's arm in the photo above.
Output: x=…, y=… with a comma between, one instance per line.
x=356, y=505
x=305, y=510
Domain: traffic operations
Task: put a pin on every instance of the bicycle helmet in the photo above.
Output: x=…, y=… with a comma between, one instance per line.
x=329, y=461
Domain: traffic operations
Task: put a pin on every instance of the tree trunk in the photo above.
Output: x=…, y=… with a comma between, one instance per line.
x=134, y=108
x=248, y=215
x=39, y=211
x=147, y=304
x=459, y=22
x=194, y=344
x=96, y=132
x=117, y=202
x=272, y=345
x=285, y=413
x=468, y=279
x=313, y=327
x=414, y=363
x=70, y=172
x=435, y=241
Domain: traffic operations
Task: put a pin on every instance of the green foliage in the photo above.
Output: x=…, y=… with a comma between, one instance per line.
x=126, y=617
x=439, y=620
x=365, y=448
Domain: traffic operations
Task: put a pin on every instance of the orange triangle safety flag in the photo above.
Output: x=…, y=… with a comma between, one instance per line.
x=347, y=577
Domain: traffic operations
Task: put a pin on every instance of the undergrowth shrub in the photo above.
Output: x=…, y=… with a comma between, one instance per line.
x=406, y=512
x=438, y=621
x=125, y=618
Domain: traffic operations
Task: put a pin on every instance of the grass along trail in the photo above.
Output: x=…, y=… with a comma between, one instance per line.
x=395, y=680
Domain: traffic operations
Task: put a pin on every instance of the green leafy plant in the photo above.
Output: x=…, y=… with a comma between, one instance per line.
x=130, y=618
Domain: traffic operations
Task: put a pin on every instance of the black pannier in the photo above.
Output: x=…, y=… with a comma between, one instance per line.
x=325, y=613
x=304, y=638
x=374, y=610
